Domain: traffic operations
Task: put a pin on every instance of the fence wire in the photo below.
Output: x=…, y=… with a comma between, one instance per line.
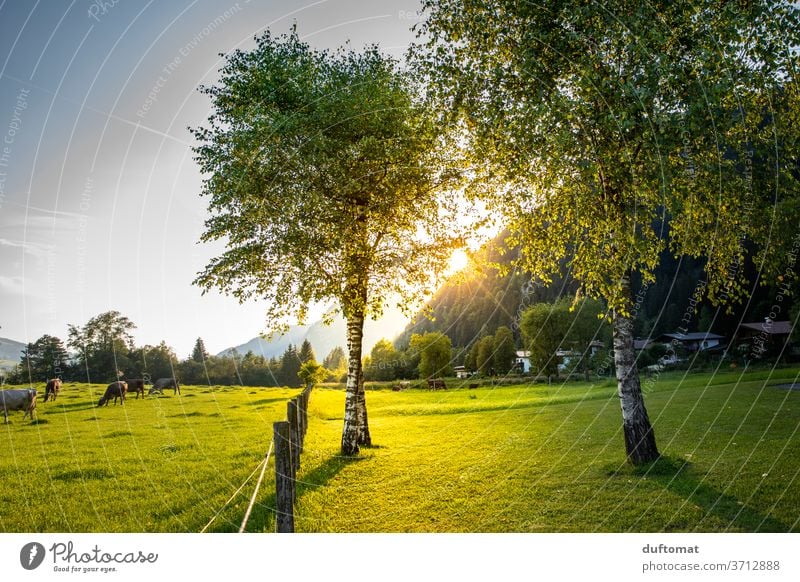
x=263, y=464
x=258, y=486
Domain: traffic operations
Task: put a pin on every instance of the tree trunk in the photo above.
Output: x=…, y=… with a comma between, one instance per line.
x=364, y=438
x=351, y=433
x=640, y=440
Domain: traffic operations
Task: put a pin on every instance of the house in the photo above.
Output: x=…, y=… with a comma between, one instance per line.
x=567, y=356
x=764, y=335
x=461, y=372
x=698, y=341
x=522, y=361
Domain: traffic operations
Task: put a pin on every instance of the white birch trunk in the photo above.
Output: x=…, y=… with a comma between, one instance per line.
x=352, y=430
x=640, y=440
x=364, y=438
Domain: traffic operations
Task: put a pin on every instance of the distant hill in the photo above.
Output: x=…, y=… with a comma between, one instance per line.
x=323, y=338
x=477, y=302
x=10, y=352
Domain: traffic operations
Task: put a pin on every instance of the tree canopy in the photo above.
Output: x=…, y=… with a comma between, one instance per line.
x=590, y=126
x=324, y=175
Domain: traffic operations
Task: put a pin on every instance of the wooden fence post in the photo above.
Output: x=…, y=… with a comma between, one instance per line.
x=293, y=416
x=284, y=478
x=303, y=415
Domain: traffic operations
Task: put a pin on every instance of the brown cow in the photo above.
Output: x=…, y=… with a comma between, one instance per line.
x=436, y=383
x=136, y=385
x=52, y=389
x=115, y=390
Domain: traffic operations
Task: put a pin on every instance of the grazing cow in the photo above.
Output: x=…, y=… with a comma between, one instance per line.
x=24, y=399
x=52, y=389
x=436, y=384
x=161, y=383
x=136, y=385
x=115, y=390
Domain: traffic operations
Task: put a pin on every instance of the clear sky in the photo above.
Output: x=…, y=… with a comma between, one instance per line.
x=99, y=195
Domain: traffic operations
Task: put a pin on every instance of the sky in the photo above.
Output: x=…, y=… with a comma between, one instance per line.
x=99, y=195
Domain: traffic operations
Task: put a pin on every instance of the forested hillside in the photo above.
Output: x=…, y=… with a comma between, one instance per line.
x=478, y=301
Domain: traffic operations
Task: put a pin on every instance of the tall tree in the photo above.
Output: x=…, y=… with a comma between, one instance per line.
x=384, y=361
x=323, y=174
x=290, y=366
x=199, y=353
x=335, y=359
x=434, y=349
x=103, y=346
x=504, y=350
x=602, y=120
x=307, y=352
x=544, y=327
x=484, y=355
x=44, y=359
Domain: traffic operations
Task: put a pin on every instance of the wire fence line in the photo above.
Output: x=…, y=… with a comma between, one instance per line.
x=258, y=486
x=231, y=498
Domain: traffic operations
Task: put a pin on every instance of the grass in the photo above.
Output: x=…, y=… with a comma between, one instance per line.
x=162, y=464
x=531, y=458
x=551, y=459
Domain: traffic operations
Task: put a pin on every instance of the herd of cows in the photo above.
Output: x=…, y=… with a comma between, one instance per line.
x=25, y=399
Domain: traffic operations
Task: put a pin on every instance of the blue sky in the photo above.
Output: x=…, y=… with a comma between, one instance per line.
x=99, y=204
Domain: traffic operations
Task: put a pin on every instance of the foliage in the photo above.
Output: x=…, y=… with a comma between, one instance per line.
x=43, y=359
x=103, y=345
x=544, y=327
x=504, y=350
x=598, y=124
x=290, y=366
x=335, y=360
x=319, y=166
x=324, y=175
x=484, y=355
x=199, y=353
x=384, y=362
x=306, y=353
x=312, y=373
x=152, y=361
x=434, y=353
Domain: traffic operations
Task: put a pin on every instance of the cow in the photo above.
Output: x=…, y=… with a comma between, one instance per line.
x=52, y=389
x=136, y=385
x=436, y=384
x=21, y=399
x=115, y=390
x=161, y=383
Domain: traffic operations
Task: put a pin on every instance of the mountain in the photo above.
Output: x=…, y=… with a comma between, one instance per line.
x=323, y=338
x=9, y=352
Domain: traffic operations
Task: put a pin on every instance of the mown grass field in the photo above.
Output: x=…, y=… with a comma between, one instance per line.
x=551, y=459
x=163, y=464
x=514, y=458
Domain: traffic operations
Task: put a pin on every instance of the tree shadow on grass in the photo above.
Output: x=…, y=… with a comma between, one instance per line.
x=262, y=517
x=675, y=475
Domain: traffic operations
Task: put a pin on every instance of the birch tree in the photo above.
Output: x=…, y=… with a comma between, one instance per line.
x=592, y=122
x=323, y=174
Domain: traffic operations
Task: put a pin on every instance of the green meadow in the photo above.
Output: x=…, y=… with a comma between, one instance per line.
x=527, y=458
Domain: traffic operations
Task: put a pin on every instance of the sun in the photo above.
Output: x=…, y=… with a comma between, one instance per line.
x=458, y=261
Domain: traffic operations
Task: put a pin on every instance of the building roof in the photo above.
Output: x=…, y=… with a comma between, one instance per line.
x=770, y=327
x=692, y=337
x=641, y=344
